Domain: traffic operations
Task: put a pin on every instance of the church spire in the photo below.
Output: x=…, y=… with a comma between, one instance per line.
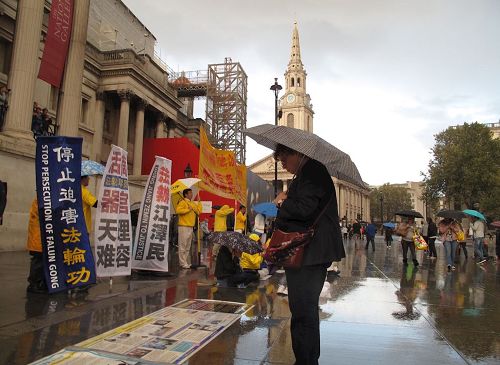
x=295, y=60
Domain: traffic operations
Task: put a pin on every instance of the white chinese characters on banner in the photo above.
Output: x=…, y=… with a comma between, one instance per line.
x=152, y=232
x=112, y=224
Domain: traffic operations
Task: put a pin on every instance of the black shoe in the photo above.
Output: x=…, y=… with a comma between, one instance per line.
x=405, y=262
x=415, y=263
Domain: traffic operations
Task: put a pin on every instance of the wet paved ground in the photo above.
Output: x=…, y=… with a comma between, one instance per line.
x=376, y=312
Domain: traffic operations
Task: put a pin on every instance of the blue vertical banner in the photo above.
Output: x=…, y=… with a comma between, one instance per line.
x=68, y=259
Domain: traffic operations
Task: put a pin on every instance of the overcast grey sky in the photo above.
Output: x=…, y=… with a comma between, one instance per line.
x=384, y=75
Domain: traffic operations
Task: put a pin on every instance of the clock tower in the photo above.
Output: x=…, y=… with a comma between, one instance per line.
x=295, y=105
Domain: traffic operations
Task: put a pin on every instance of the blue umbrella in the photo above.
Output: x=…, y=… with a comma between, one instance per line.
x=475, y=213
x=267, y=209
x=90, y=167
x=389, y=225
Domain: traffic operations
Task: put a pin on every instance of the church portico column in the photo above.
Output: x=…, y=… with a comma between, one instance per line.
x=160, y=125
x=24, y=67
x=125, y=96
x=139, y=136
x=100, y=97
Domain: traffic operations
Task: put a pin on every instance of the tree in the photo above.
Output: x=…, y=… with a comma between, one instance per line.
x=465, y=168
x=394, y=198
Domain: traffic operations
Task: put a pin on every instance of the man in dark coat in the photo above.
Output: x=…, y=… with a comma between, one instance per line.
x=308, y=194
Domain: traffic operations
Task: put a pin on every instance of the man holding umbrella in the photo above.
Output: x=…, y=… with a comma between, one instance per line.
x=187, y=211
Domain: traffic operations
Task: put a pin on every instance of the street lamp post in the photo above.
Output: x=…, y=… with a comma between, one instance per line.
x=382, y=208
x=188, y=171
x=276, y=89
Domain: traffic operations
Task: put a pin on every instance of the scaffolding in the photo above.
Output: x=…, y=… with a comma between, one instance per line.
x=226, y=107
x=225, y=87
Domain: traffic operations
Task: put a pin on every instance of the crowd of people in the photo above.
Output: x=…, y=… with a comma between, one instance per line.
x=41, y=122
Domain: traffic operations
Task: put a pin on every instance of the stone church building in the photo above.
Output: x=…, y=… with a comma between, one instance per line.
x=296, y=111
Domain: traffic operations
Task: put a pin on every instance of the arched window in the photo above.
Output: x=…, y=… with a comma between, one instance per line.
x=298, y=81
x=293, y=82
x=290, y=120
x=309, y=129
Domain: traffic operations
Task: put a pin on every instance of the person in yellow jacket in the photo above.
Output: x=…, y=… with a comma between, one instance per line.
x=36, y=278
x=88, y=201
x=241, y=219
x=187, y=211
x=221, y=214
x=220, y=223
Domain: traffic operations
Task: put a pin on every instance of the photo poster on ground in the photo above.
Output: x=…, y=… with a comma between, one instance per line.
x=67, y=255
x=170, y=335
x=113, y=230
x=153, y=224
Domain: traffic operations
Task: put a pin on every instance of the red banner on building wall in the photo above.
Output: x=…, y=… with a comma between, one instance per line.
x=57, y=42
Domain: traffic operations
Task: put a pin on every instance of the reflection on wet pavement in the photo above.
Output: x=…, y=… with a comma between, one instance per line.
x=377, y=311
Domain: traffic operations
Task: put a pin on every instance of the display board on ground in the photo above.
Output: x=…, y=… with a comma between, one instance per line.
x=168, y=336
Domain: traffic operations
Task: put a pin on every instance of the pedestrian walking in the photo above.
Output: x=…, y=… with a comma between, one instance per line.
x=478, y=237
x=371, y=231
x=356, y=232
x=310, y=192
x=432, y=234
x=344, y=231
x=388, y=236
x=448, y=229
x=406, y=230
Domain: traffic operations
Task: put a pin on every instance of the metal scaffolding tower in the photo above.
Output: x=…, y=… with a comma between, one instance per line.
x=226, y=108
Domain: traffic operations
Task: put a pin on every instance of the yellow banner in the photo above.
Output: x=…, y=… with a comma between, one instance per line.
x=240, y=193
x=217, y=169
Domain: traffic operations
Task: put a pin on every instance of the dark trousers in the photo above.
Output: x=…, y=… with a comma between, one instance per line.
x=36, y=278
x=368, y=240
x=411, y=245
x=432, y=247
x=460, y=246
x=244, y=277
x=304, y=287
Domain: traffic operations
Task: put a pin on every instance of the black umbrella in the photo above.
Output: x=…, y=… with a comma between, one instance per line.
x=455, y=214
x=338, y=163
x=235, y=240
x=409, y=213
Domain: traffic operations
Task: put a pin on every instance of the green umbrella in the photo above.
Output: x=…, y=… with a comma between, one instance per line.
x=474, y=213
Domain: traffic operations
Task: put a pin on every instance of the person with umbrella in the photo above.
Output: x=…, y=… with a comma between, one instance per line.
x=449, y=228
x=310, y=192
x=432, y=233
x=406, y=230
x=188, y=211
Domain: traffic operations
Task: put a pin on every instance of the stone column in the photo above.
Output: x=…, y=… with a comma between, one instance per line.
x=100, y=110
x=160, y=125
x=70, y=104
x=171, y=128
x=24, y=67
x=139, y=137
x=125, y=96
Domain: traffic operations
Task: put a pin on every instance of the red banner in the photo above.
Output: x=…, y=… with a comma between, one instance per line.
x=57, y=42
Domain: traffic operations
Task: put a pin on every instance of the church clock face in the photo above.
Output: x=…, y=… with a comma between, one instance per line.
x=290, y=98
